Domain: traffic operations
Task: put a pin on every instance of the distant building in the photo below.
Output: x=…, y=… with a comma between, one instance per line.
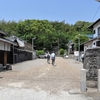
x=70, y=47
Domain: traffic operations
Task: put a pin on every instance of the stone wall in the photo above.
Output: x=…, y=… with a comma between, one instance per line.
x=92, y=63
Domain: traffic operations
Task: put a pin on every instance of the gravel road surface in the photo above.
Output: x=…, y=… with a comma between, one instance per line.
x=38, y=80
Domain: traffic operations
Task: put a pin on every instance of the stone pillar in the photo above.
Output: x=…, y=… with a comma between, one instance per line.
x=83, y=80
x=99, y=80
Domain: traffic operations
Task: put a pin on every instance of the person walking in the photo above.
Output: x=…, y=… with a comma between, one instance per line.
x=53, y=58
x=82, y=57
x=48, y=58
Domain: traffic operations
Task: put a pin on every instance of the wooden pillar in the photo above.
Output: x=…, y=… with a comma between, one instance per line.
x=5, y=58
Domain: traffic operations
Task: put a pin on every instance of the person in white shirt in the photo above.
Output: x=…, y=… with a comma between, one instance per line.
x=82, y=57
x=53, y=58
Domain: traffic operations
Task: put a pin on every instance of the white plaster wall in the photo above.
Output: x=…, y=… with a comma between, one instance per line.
x=8, y=47
x=88, y=46
x=96, y=29
x=94, y=44
x=4, y=46
x=1, y=45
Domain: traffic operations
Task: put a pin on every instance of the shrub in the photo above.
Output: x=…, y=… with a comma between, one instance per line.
x=39, y=52
x=61, y=51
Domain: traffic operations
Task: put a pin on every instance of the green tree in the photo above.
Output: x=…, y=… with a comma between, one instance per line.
x=81, y=38
x=47, y=33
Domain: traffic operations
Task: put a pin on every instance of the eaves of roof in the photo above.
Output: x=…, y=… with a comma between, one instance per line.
x=91, y=26
x=91, y=40
x=23, y=50
x=7, y=41
x=3, y=33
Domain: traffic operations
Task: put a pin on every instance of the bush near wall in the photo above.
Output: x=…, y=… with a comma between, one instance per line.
x=39, y=52
x=61, y=51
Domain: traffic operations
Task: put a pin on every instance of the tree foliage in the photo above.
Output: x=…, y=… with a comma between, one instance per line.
x=47, y=33
x=80, y=39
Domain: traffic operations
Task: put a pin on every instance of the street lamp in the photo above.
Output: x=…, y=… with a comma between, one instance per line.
x=33, y=46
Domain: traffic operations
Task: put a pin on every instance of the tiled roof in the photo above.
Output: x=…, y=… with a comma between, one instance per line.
x=7, y=41
x=91, y=40
x=3, y=33
x=18, y=40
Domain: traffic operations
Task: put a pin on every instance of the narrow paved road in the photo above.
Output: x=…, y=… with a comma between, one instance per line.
x=38, y=75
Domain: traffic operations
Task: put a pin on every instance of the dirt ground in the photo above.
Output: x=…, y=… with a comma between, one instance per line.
x=39, y=75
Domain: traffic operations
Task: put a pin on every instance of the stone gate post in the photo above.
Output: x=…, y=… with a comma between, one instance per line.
x=83, y=80
x=99, y=80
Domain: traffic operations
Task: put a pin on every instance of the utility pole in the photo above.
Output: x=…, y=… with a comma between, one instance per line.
x=78, y=47
x=33, y=46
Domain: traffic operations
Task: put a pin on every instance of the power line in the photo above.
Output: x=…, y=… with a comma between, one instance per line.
x=96, y=12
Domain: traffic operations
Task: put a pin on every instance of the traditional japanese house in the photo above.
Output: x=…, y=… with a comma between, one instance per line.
x=20, y=52
x=5, y=49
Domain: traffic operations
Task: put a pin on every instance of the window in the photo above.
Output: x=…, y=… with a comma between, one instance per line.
x=97, y=43
x=98, y=31
x=93, y=31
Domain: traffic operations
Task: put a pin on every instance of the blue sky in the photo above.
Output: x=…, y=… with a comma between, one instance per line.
x=53, y=10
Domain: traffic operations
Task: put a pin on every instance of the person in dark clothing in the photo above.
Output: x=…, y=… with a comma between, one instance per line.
x=48, y=58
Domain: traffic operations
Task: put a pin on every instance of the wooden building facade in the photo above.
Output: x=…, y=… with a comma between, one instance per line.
x=13, y=50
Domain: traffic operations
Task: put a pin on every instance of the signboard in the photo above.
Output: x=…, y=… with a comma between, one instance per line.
x=76, y=53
